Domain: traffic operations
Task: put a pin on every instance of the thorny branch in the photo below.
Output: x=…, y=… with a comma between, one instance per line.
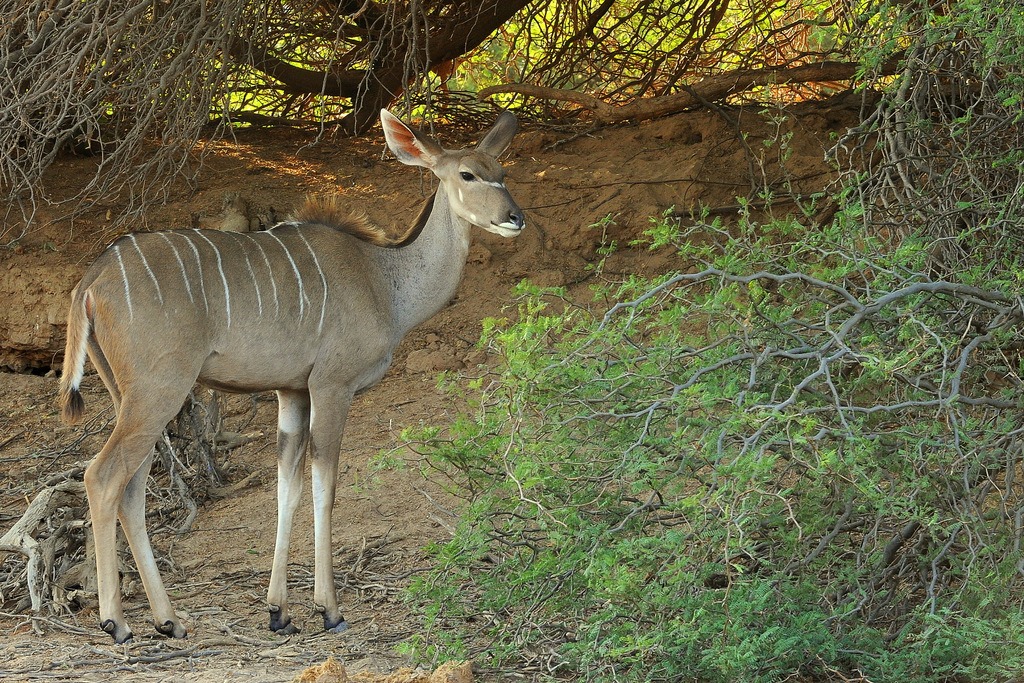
x=107, y=79
x=624, y=52
x=712, y=88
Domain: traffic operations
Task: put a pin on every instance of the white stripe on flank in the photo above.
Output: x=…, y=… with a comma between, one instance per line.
x=273, y=283
x=181, y=264
x=298, y=277
x=124, y=278
x=149, y=270
x=199, y=266
x=223, y=279
x=255, y=283
x=323, y=282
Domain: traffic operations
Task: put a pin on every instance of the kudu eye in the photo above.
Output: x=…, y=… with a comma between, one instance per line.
x=467, y=176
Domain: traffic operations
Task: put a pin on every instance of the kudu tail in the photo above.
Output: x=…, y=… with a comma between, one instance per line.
x=79, y=328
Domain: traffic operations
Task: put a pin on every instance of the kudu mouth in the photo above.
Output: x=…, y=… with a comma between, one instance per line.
x=510, y=228
x=504, y=229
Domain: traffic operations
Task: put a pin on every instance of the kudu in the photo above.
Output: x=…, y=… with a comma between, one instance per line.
x=312, y=308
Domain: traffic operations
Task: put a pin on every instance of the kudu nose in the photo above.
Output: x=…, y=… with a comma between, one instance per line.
x=516, y=218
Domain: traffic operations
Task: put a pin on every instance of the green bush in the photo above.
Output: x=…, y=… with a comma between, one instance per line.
x=794, y=458
x=801, y=454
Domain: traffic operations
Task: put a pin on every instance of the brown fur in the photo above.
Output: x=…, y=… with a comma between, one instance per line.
x=329, y=210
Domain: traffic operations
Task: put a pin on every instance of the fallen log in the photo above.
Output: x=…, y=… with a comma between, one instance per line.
x=21, y=537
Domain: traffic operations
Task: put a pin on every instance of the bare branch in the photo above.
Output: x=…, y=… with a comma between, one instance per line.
x=710, y=89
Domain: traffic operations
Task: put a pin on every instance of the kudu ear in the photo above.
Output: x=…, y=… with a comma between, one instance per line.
x=409, y=147
x=499, y=137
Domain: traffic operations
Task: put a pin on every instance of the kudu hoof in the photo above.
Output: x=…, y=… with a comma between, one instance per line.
x=335, y=627
x=172, y=629
x=333, y=623
x=280, y=624
x=288, y=629
x=119, y=632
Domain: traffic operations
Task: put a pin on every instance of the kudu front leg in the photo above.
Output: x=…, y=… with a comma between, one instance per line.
x=292, y=437
x=327, y=426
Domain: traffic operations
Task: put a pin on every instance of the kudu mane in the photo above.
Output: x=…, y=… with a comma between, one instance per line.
x=332, y=212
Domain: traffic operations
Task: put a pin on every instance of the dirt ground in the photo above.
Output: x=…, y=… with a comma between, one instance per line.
x=567, y=180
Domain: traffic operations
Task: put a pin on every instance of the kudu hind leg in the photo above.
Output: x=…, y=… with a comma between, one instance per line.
x=133, y=520
x=107, y=480
x=115, y=484
x=292, y=437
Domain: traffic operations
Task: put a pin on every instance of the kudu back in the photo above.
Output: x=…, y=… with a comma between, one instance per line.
x=312, y=308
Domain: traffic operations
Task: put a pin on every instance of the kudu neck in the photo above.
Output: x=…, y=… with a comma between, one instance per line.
x=425, y=274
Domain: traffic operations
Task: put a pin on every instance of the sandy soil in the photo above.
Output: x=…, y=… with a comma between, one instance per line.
x=218, y=571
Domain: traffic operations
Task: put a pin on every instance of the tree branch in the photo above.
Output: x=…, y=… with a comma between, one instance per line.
x=710, y=89
x=400, y=45
x=296, y=79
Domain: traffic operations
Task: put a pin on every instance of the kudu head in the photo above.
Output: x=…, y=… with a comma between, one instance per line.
x=471, y=178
